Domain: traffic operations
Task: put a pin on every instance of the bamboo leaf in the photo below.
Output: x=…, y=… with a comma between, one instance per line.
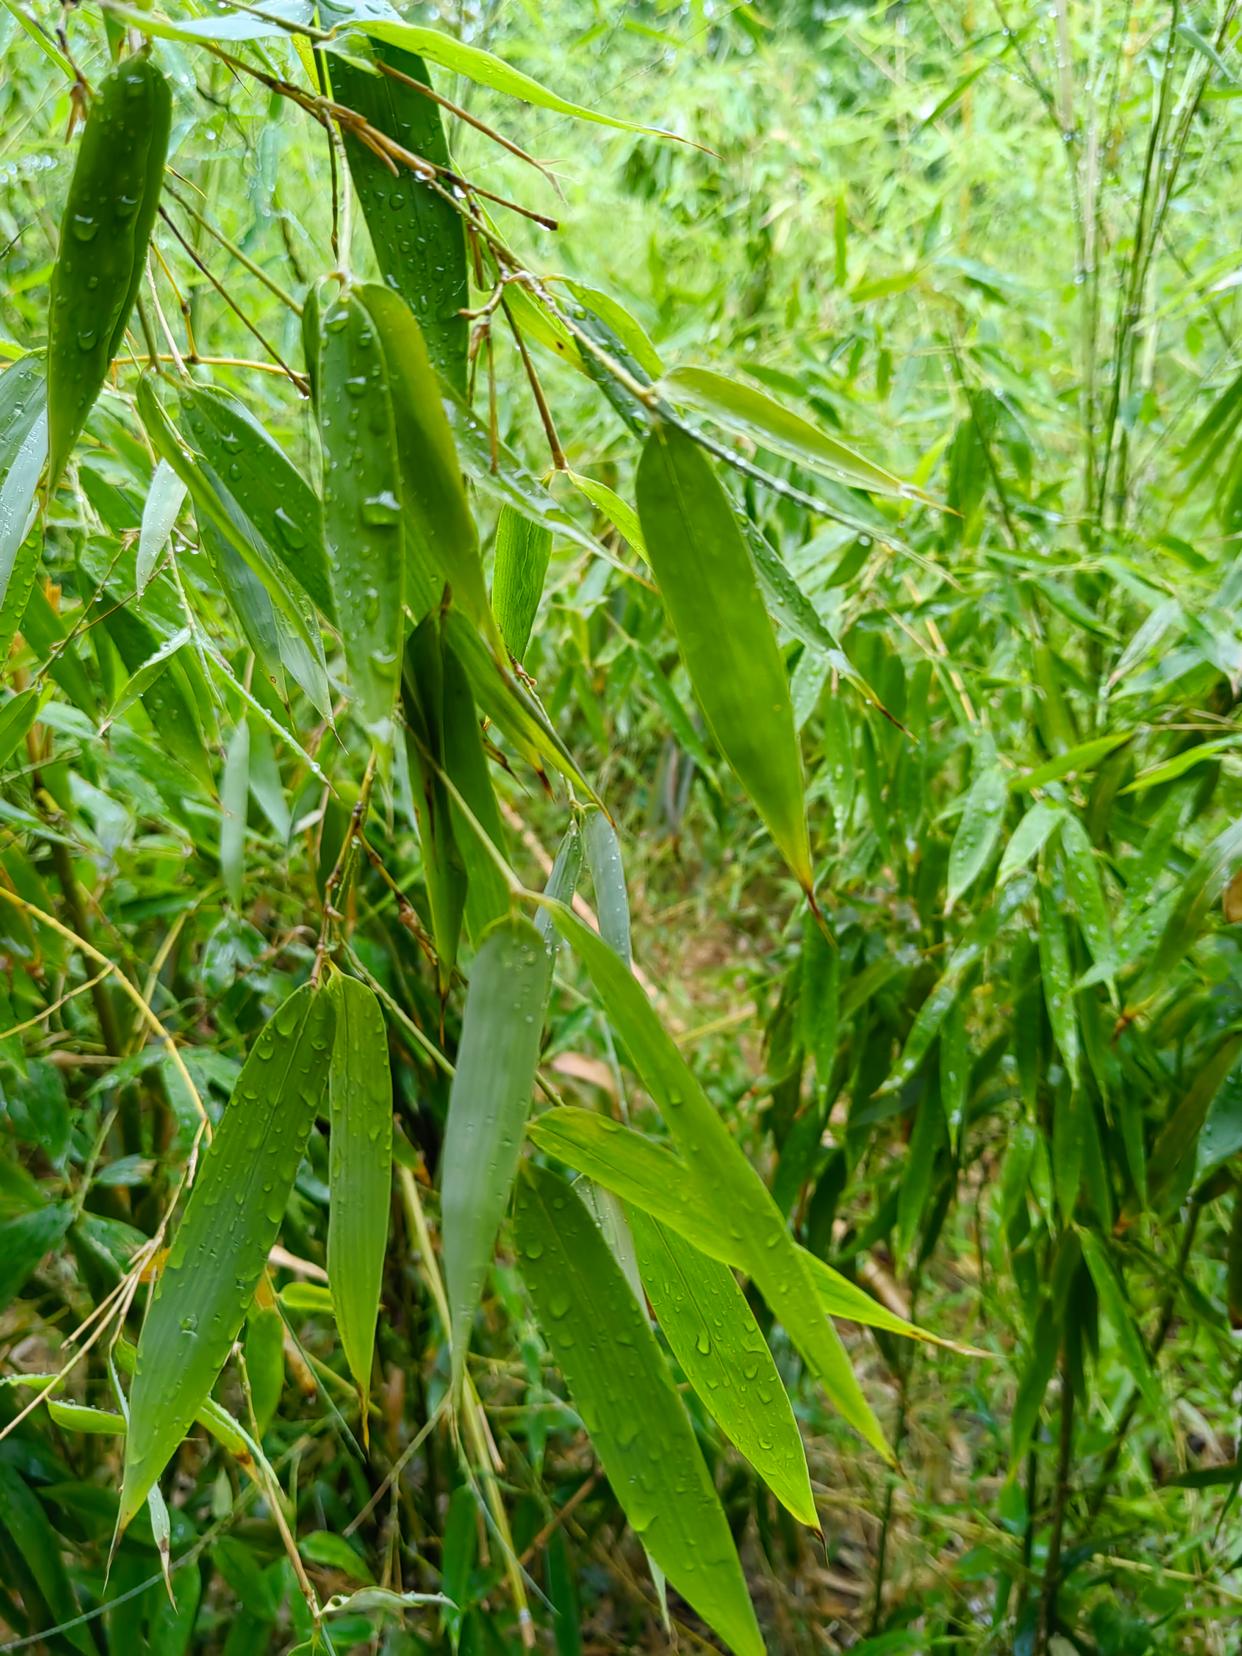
x=418, y=237
x=605, y=1348
x=521, y=563
x=719, y=1170
x=226, y=1232
x=746, y=409
x=979, y=827
x=159, y=514
x=363, y=520
x=612, y=903
x=23, y=449
x=360, y=1171
x=234, y=801
x=703, y=566
x=715, y=1338
x=487, y=70
x=442, y=546
x=488, y=1103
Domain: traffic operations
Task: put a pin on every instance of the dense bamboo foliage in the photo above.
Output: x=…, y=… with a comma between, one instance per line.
x=620, y=838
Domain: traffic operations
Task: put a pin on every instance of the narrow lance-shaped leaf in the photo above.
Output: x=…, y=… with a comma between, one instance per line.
x=159, y=513
x=717, y=1167
x=466, y=762
x=604, y=1346
x=487, y=69
x=715, y=1338
x=223, y=1239
x=418, y=236
x=705, y=573
x=979, y=826
x=234, y=799
x=444, y=868
x=612, y=903
x=745, y=408
x=521, y=562
x=362, y=505
x=488, y=1104
x=442, y=544
x=359, y=1170
x=23, y=449
x=113, y=196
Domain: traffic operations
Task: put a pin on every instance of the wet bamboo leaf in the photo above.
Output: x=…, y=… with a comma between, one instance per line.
x=488, y=1103
x=1058, y=980
x=746, y=409
x=234, y=799
x=487, y=69
x=419, y=241
x=38, y=1549
x=1028, y=838
x=721, y=1172
x=363, y=528
x=1121, y=1319
x=612, y=903
x=604, y=1346
x=442, y=545
x=1085, y=890
x=715, y=1338
x=225, y=1234
x=980, y=824
x=703, y=566
x=105, y=230
x=265, y=1363
x=159, y=514
x=23, y=449
x=522, y=551
x=423, y=703
x=360, y=1171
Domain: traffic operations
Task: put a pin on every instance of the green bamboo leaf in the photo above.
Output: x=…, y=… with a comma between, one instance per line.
x=746, y=409
x=234, y=799
x=265, y=1363
x=37, y=1547
x=1196, y=899
x=521, y=562
x=1075, y=761
x=604, y=1346
x=113, y=196
x=266, y=496
x=917, y=1173
x=819, y=996
x=226, y=1232
x=423, y=703
x=80, y=1417
x=715, y=1338
x=1027, y=838
x=466, y=762
x=418, y=236
x=487, y=70
x=442, y=545
x=954, y=1071
x=619, y=512
x=1116, y=1309
x=1086, y=890
x=612, y=903
x=562, y=883
x=704, y=569
x=719, y=1170
x=24, y=1240
x=159, y=514
x=1057, y=977
x=164, y=690
x=363, y=527
x=488, y=1103
x=360, y=1171
x=501, y=697
x=979, y=826
x=17, y=714
x=23, y=449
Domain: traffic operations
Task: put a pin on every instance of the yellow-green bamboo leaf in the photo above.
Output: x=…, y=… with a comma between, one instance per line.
x=747, y=1217
x=359, y=1169
x=708, y=581
x=715, y=1338
x=221, y=1244
x=488, y=1104
x=621, y=1387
